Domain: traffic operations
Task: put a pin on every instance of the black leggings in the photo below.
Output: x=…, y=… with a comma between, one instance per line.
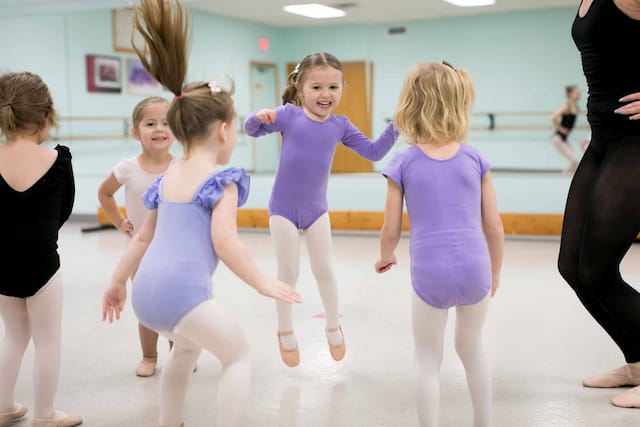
x=601, y=221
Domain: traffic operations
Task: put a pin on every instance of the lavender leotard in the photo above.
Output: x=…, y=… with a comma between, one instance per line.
x=450, y=262
x=300, y=188
x=175, y=273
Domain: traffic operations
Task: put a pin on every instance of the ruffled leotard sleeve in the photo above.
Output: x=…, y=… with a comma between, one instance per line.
x=152, y=196
x=213, y=188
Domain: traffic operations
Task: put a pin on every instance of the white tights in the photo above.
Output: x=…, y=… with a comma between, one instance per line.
x=37, y=317
x=428, y=329
x=286, y=239
x=211, y=327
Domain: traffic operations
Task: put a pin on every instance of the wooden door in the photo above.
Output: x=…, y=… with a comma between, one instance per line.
x=356, y=105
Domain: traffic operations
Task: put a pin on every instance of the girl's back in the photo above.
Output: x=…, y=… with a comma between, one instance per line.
x=449, y=259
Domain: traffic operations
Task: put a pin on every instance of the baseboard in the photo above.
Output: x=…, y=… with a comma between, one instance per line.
x=514, y=223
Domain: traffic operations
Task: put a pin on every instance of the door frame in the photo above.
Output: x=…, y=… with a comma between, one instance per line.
x=276, y=85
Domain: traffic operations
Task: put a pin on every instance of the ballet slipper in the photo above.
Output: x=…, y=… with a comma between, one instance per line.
x=628, y=399
x=337, y=351
x=67, y=421
x=5, y=417
x=290, y=358
x=620, y=377
x=147, y=367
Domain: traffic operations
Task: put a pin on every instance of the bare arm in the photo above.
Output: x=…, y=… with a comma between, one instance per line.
x=233, y=252
x=115, y=296
x=493, y=229
x=391, y=228
x=105, y=195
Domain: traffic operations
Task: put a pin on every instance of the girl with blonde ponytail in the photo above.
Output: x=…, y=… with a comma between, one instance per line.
x=191, y=225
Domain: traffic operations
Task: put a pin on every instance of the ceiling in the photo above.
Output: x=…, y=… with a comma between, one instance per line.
x=270, y=11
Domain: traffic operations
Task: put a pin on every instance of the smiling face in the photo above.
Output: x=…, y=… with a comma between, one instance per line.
x=153, y=132
x=320, y=91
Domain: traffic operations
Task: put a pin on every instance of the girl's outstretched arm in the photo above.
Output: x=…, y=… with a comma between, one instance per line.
x=391, y=228
x=266, y=121
x=232, y=251
x=493, y=229
x=116, y=295
x=370, y=150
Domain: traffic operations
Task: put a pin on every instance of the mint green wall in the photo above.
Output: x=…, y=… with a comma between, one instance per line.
x=519, y=61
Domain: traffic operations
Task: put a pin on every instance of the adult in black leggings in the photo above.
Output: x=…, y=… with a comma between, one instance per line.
x=602, y=216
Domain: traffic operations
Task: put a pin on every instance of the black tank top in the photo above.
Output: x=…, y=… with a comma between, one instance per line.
x=607, y=40
x=567, y=121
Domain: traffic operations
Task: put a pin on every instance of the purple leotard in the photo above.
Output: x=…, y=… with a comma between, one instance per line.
x=300, y=188
x=175, y=273
x=450, y=262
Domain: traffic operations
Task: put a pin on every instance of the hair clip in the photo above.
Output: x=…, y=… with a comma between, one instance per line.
x=449, y=65
x=214, y=88
x=297, y=69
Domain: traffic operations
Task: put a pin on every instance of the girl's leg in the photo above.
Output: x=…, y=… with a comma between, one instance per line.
x=286, y=240
x=149, y=343
x=17, y=334
x=211, y=327
x=469, y=323
x=45, y=315
x=567, y=152
x=318, y=237
x=175, y=381
x=428, y=331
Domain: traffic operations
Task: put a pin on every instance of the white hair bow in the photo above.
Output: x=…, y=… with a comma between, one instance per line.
x=214, y=88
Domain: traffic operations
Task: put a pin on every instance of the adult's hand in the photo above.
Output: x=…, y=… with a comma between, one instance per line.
x=632, y=109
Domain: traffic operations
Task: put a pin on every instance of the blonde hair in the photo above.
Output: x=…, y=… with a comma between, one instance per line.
x=26, y=105
x=290, y=94
x=138, y=110
x=197, y=105
x=434, y=104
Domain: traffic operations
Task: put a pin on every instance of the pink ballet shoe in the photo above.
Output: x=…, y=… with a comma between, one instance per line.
x=619, y=377
x=628, y=399
x=147, y=367
x=67, y=421
x=5, y=417
x=291, y=358
x=337, y=351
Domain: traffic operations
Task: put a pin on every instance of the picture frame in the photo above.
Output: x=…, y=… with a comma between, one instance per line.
x=104, y=73
x=122, y=30
x=139, y=81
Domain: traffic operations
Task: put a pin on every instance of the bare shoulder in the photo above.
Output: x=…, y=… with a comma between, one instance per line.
x=631, y=8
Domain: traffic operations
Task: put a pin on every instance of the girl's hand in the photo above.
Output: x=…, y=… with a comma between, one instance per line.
x=633, y=108
x=385, y=264
x=563, y=130
x=266, y=116
x=280, y=291
x=113, y=302
x=126, y=226
x=495, y=284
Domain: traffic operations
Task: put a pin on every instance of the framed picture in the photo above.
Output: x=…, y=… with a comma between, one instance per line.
x=139, y=82
x=104, y=74
x=122, y=30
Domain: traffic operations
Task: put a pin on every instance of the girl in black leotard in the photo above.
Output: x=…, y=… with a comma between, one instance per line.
x=602, y=216
x=36, y=196
x=563, y=119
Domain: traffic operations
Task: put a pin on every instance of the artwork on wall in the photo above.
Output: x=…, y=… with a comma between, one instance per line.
x=104, y=74
x=122, y=30
x=139, y=81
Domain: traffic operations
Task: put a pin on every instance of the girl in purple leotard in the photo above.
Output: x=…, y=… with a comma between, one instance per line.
x=191, y=224
x=310, y=133
x=450, y=198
